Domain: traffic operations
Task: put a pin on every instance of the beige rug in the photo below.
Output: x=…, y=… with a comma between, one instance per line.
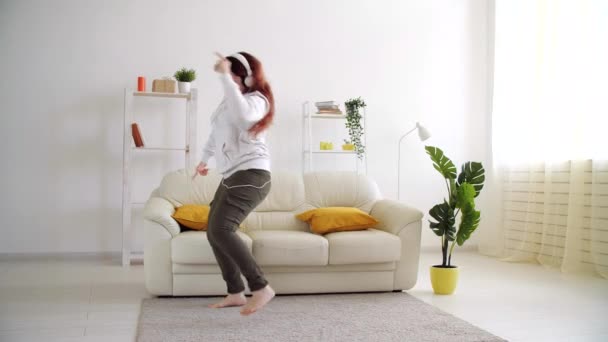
x=330, y=317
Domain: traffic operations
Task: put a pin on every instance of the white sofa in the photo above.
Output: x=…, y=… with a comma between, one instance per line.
x=294, y=260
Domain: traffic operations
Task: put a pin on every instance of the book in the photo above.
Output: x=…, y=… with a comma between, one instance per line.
x=137, y=138
x=328, y=107
x=330, y=111
x=326, y=103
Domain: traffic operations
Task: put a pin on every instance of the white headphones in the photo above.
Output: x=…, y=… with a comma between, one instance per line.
x=249, y=79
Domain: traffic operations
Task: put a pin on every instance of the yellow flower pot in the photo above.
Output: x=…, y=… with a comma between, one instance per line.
x=444, y=280
x=348, y=147
x=326, y=145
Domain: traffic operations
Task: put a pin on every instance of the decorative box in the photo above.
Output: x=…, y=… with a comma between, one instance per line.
x=164, y=86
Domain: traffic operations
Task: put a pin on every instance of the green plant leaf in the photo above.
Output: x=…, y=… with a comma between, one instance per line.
x=468, y=223
x=441, y=163
x=444, y=215
x=474, y=174
x=465, y=196
x=185, y=75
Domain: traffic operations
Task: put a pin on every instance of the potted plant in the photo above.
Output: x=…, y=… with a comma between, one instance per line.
x=353, y=123
x=348, y=146
x=462, y=191
x=326, y=145
x=184, y=78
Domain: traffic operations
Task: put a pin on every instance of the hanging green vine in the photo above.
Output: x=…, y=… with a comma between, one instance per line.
x=353, y=123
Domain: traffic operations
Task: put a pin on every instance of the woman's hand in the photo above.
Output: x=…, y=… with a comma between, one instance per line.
x=202, y=169
x=222, y=65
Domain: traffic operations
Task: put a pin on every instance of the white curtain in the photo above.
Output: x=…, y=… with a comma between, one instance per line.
x=550, y=134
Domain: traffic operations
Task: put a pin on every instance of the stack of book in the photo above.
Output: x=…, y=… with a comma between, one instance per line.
x=328, y=107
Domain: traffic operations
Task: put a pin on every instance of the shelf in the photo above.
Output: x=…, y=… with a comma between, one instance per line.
x=167, y=95
x=328, y=116
x=187, y=147
x=161, y=148
x=333, y=151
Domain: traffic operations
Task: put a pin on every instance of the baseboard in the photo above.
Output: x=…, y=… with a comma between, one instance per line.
x=116, y=256
x=58, y=256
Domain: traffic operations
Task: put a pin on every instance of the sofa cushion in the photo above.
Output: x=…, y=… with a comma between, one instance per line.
x=289, y=248
x=179, y=188
x=192, y=247
x=337, y=219
x=274, y=220
x=340, y=189
x=287, y=193
x=193, y=216
x=362, y=247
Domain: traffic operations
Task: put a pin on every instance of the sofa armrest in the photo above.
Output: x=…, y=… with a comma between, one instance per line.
x=405, y=222
x=394, y=215
x=159, y=210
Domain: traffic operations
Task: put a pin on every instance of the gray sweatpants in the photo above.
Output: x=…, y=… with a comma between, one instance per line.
x=234, y=199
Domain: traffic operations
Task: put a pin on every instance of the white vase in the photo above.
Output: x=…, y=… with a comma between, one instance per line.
x=184, y=87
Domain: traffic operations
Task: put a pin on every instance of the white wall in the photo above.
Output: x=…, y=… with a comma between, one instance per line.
x=65, y=65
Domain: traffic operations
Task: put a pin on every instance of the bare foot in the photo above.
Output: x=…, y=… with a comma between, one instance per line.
x=237, y=299
x=258, y=299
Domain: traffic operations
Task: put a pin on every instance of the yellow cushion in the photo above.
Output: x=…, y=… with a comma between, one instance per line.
x=337, y=219
x=194, y=216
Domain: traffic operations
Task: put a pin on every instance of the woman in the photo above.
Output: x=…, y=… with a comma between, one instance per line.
x=237, y=141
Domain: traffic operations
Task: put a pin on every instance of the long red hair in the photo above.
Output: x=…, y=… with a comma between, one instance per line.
x=260, y=84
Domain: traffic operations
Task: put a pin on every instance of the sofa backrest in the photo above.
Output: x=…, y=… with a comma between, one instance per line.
x=178, y=188
x=278, y=210
x=291, y=193
x=340, y=189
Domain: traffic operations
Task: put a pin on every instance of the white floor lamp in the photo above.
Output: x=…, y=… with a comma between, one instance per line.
x=423, y=134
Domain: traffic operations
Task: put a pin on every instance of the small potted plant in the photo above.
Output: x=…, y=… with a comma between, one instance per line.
x=348, y=146
x=462, y=191
x=326, y=145
x=184, y=79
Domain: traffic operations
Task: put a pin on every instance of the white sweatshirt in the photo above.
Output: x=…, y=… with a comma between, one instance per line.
x=230, y=142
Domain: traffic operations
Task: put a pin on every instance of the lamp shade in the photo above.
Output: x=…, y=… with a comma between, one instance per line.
x=423, y=133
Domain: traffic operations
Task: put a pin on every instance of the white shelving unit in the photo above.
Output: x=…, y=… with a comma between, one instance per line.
x=307, y=146
x=128, y=148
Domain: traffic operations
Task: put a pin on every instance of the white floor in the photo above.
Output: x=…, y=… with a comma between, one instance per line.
x=90, y=299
